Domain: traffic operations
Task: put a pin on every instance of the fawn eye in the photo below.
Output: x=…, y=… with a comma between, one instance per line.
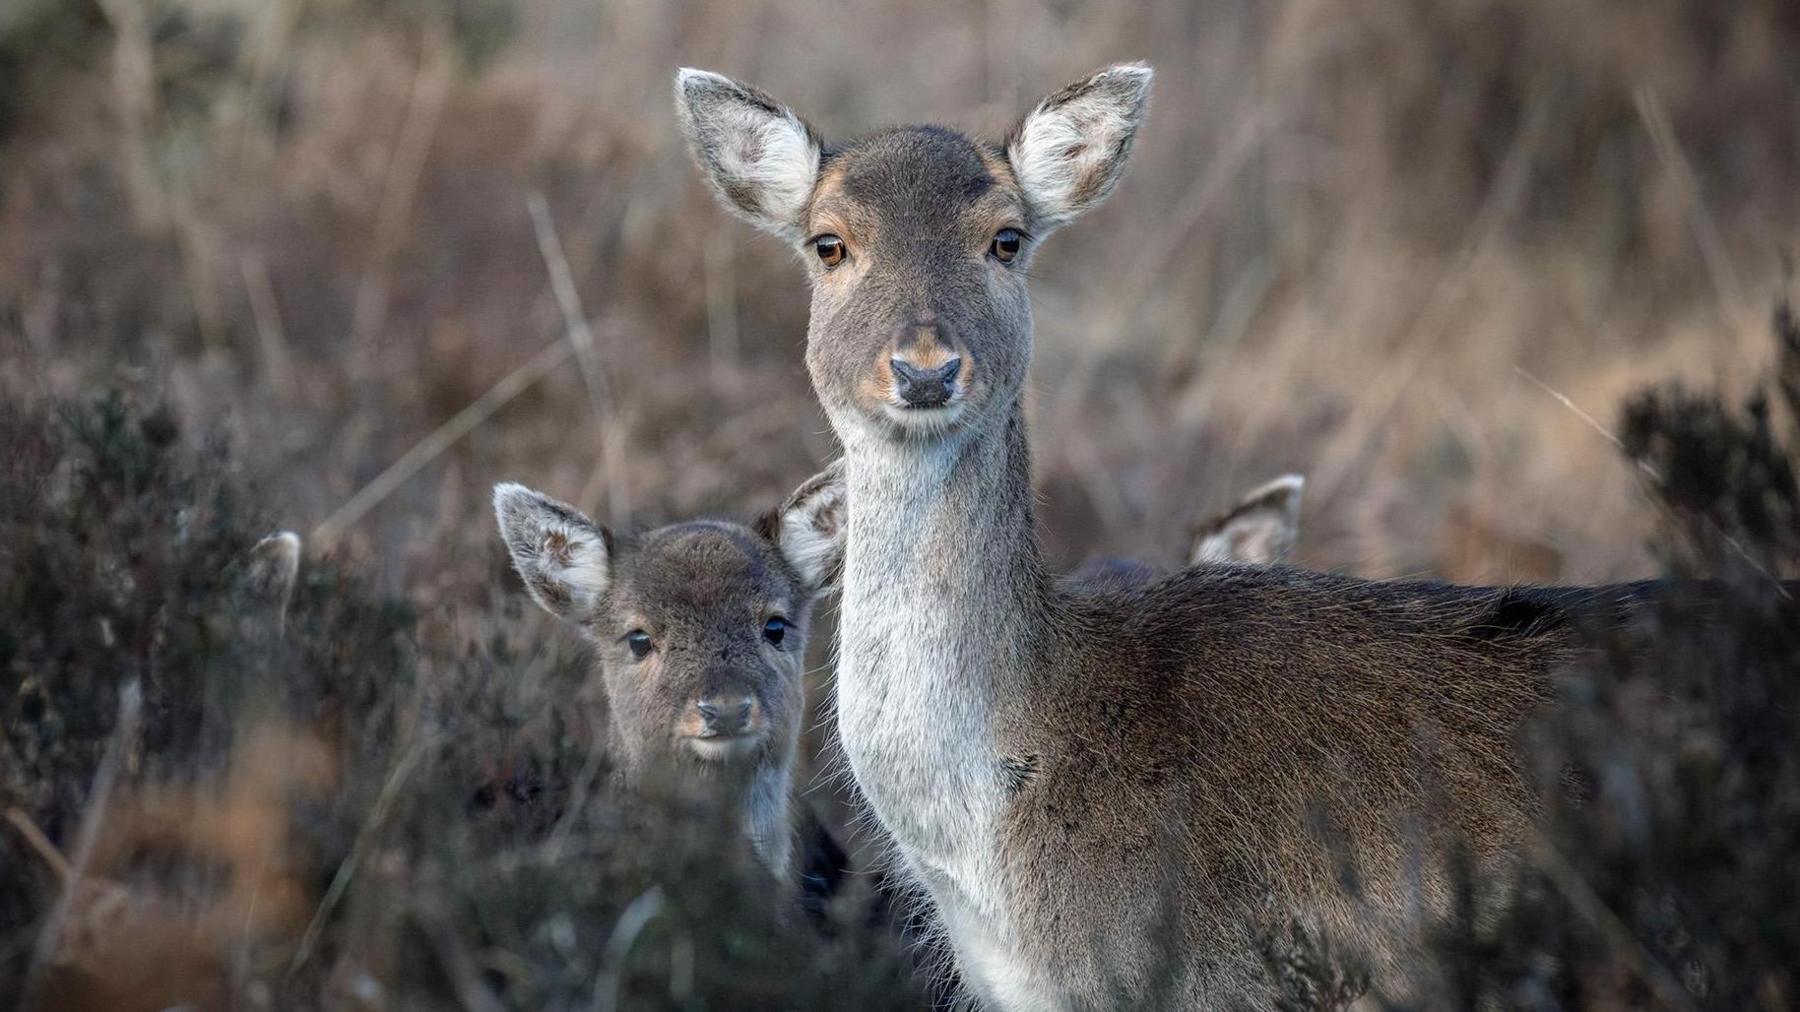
x=775, y=630
x=830, y=250
x=639, y=642
x=1006, y=245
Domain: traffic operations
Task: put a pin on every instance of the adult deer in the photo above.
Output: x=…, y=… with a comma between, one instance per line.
x=1104, y=792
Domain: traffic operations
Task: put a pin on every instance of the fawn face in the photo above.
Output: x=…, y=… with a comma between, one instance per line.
x=917, y=240
x=700, y=628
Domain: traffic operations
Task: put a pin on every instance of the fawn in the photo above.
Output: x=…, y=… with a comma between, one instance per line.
x=700, y=634
x=1105, y=791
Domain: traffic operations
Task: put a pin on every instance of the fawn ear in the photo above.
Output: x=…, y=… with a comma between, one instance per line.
x=271, y=568
x=1072, y=148
x=761, y=159
x=1261, y=529
x=563, y=557
x=809, y=529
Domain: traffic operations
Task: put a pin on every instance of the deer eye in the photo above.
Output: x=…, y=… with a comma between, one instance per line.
x=830, y=250
x=639, y=642
x=775, y=630
x=1006, y=245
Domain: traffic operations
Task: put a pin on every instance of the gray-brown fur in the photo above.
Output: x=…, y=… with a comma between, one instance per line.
x=713, y=700
x=1106, y=792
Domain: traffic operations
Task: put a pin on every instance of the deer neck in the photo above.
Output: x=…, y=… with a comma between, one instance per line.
x=943, y=593
x=768, y=818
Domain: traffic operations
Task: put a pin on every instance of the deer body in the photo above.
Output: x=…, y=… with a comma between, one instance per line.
x=1138, y=766
x=1106, y=788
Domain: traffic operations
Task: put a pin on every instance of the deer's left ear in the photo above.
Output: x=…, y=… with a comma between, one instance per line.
x=1072, y=148
x=761, y=159
x=809, y=529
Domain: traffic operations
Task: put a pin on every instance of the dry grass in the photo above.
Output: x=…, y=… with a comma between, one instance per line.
x=1357, y=241
x=1343, y=235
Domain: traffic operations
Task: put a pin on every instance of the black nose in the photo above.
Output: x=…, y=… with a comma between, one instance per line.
x=725, y=715
x=924, y=388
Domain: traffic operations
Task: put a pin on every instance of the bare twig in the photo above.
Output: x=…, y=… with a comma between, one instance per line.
x=384, y=802
x=453, y=955
x=131, y=706
x=1605, y=434
x=424, y=106
x=271, y=335
x=441, y=438
x=39, y=842
x=1153, y=257
x=134, y=97
x=1594, y=910
x=1706, y=230
x=575, y=323
x=1651, y=473
x=1431, y=323
x=593, y=372
x=638, y=914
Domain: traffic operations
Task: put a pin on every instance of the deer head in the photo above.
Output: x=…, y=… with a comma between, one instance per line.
x=918, y=240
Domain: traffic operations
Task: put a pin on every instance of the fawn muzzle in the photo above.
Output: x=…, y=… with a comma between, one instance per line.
x=724, y=716
x=726, y=721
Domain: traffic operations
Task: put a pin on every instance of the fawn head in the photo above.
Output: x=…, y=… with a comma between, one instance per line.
x=917, y=239
x=700, y=628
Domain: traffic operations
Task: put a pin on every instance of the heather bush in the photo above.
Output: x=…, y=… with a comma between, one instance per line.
x=336, y=800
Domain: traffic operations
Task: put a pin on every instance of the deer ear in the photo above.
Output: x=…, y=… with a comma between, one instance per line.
x=761, y=159
x=1260, y=530
x=1072, y=148
x=563, y=557
x=271, y=568
x=809, y=529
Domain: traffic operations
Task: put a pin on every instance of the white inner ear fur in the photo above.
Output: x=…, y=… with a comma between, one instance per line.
x=811, y=535
x=1068, y=152
x=1260, y=530
x=745, y=148
x=560, y=554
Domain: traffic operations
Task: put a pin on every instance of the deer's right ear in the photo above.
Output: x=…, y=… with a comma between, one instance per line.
x=761, y=159
x=1260, y=530
x=563, y=557
x=809, y=529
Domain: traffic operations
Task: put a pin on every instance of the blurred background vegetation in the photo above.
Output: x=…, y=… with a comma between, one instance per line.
x=1419, y=250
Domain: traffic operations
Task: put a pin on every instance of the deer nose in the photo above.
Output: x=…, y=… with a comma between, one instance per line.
x=924, y=387
x=725, y=715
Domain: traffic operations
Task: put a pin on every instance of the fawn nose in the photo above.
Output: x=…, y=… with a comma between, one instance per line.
x=725, y=715
x=927, y=387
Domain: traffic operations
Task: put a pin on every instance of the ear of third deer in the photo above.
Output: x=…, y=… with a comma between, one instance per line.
x=1107, y=793
x=699, y=631
x=1260, y=529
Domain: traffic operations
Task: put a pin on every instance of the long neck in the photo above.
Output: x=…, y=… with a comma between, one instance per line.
x=768, y=818
x=947, y=527
x=943, y=600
